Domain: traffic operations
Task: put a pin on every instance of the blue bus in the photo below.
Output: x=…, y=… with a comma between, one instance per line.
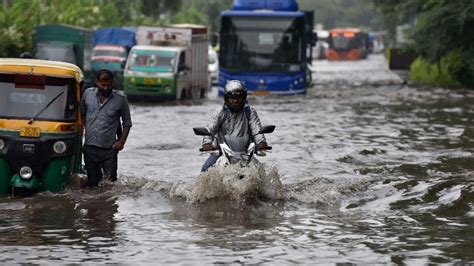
x=268, y=45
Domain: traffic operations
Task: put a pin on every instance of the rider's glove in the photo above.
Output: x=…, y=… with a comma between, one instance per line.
x=262, y=146
x=208, y=147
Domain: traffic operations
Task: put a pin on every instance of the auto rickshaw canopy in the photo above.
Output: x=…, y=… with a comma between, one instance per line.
x=41, y=67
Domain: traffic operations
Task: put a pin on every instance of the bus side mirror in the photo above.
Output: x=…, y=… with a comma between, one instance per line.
x=214, y=40
x=314, y=38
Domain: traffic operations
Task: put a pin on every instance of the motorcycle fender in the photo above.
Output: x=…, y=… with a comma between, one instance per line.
x=223, y=161
x=17, y=181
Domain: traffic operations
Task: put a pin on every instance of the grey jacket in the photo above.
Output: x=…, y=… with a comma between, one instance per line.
x=237, y=129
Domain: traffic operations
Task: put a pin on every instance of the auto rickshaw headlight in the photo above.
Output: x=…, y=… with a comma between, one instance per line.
x=26, y=172
x=59, y=147
x=2, y=144
x=167, y=89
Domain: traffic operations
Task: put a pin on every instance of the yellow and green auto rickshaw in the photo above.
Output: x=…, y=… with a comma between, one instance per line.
x=40, y=142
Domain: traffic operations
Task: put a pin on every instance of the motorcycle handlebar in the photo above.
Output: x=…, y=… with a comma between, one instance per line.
x=268, y=148
x=203, y=150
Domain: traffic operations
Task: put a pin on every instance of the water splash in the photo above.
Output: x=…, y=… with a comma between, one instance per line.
x=233, y=183
x=319, y=190
x=237, y=184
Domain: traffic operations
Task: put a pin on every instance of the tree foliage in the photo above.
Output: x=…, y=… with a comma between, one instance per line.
x=158, y=8
x=18, y=17
x=206, y=12
x=441, y=29
x=343, y=13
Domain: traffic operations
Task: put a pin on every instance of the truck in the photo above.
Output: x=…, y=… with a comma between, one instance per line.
x=168, y=63
x=110, y=50
x=266, y=44
x=64, y=43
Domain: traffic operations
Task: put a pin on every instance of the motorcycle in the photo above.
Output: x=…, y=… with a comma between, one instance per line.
x=229, y=156
x=238, y=175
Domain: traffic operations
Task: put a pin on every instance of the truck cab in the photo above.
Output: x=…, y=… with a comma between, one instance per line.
x=156, y=71
x=168, y=63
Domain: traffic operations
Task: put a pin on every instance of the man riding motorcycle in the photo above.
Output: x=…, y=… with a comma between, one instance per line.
x=236, y=123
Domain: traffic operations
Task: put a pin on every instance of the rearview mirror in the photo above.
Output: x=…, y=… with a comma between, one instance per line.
x=267, y=129
x=201, y=131
x=314, y=38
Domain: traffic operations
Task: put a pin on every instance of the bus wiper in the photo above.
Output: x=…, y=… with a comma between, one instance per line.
x=46, y=107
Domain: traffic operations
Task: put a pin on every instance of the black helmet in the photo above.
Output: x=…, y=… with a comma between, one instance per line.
x=235, y=89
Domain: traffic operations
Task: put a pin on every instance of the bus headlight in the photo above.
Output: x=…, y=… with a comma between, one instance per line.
x=167, y=89
x=2, y=144
x=59, y=147
x=26, y=172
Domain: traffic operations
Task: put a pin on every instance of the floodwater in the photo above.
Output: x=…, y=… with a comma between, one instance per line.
x=364, y=169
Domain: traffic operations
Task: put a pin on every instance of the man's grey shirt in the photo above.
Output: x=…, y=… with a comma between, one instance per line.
x=102, y=122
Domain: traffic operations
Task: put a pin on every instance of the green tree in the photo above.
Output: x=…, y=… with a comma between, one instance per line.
x=18, y=18
x=442, y=33
x=189, y=15
x=343, y=13
x=158, y=8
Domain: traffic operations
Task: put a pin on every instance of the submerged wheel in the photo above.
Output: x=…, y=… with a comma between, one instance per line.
x=21, y=192
x=183, y=94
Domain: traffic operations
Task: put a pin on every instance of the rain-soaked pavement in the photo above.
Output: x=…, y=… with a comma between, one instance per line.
x=371, y=170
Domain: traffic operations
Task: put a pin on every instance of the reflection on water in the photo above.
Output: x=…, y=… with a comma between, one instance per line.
x=46, y=222
x=372, y=171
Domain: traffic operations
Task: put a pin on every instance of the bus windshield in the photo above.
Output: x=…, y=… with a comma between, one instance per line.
x=22, y=100
x=341, y=42
x=262, y=44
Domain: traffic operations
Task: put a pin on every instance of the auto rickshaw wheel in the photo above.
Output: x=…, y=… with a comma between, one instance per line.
x=21, y=192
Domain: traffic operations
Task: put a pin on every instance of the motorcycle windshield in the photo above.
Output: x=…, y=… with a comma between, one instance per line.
x=236, y=143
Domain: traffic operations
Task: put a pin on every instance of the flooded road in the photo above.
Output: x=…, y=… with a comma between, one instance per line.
x=373, y=171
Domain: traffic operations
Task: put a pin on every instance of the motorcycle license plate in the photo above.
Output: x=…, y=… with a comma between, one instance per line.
x=33, y=132
x=261, y=93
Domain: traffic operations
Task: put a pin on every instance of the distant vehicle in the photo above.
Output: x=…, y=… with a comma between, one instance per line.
x=322, y=46
x=213, y=66
x=64, y=43
x=264, y=44
x=111, y=47
x=376, y=41
x=347, y=44
x=168, y=63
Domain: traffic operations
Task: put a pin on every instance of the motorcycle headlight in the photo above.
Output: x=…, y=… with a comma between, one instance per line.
x=59, y=147
x=2, y=144
x=26, y=172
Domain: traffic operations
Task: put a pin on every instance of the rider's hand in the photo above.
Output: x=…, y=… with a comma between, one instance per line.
x=208, y=147
x=118, y=145
x=262, y=146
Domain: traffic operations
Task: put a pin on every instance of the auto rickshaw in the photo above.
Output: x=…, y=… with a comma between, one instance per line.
x=40, y=140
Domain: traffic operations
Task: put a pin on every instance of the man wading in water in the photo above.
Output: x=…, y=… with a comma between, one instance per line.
x=101, y=110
